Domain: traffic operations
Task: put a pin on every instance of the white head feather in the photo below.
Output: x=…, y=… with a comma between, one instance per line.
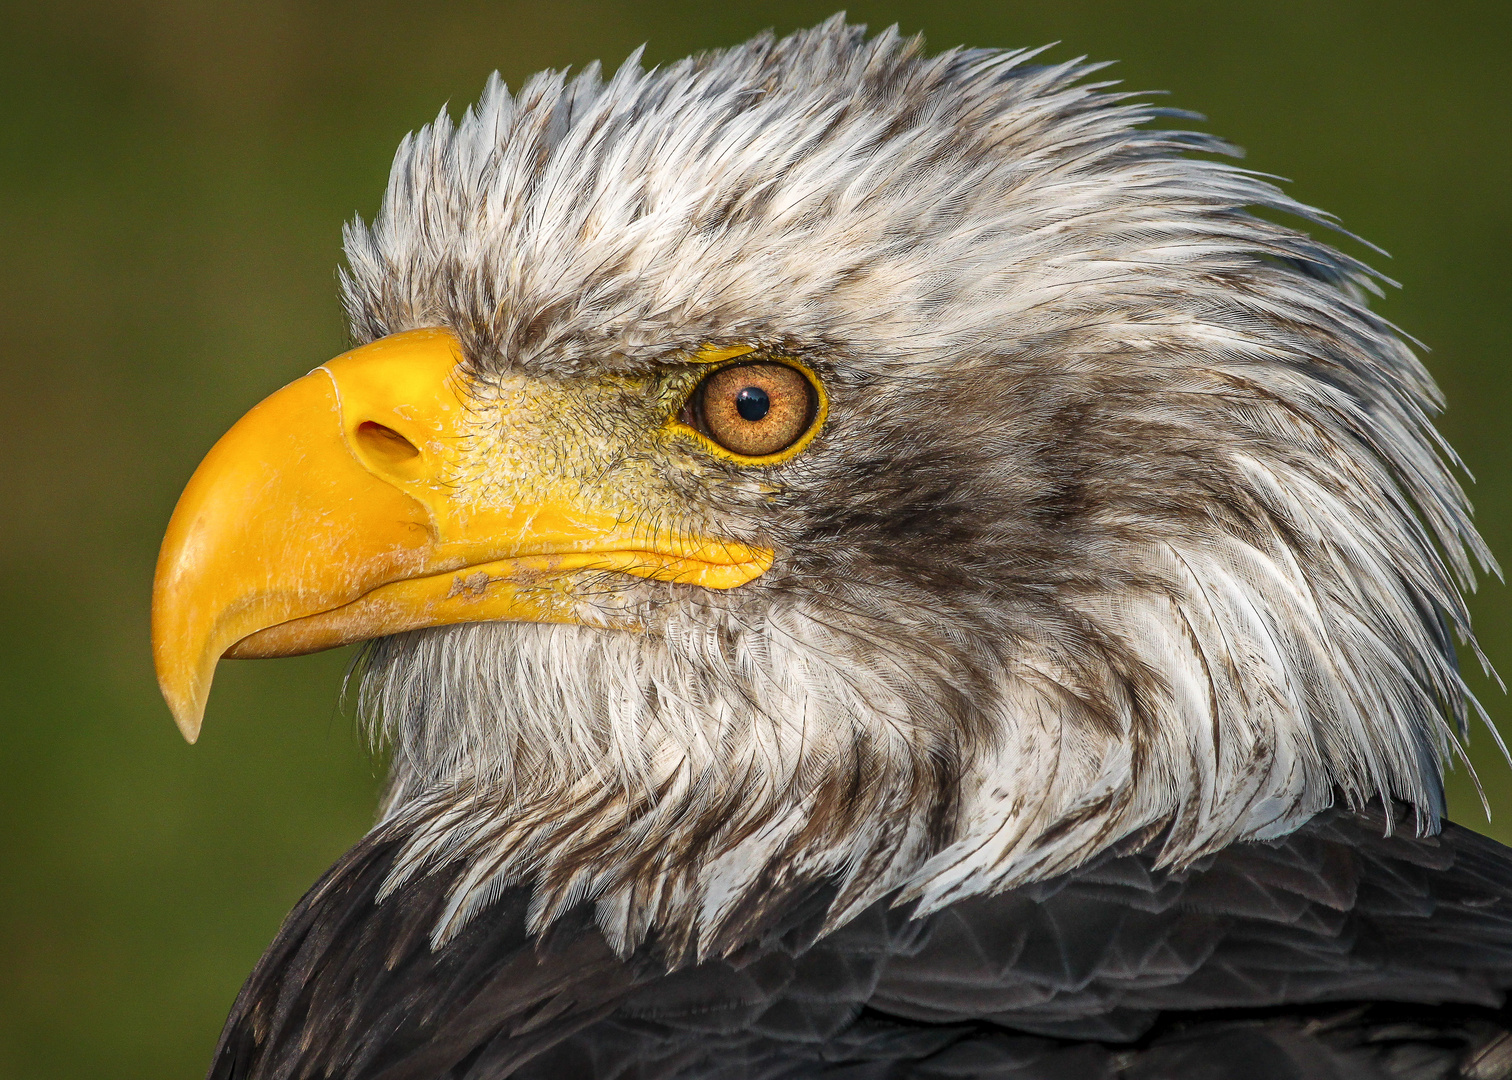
x=1129, y=523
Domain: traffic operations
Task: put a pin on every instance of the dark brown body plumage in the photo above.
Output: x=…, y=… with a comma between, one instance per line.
x=1337, y=952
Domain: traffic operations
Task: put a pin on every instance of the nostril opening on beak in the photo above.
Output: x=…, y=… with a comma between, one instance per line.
x=385, y=445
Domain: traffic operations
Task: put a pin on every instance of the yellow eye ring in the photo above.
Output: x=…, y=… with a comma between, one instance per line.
x=744, y=405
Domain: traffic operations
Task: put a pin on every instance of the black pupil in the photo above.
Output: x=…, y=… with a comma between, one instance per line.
x=752, y=403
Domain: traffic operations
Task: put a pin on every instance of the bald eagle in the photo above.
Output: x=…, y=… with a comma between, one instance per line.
x=876, y=565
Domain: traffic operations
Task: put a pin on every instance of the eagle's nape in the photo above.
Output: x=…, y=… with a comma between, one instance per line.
x=875, y=565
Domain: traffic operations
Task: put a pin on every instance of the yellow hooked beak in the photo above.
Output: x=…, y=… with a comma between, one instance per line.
x=335, y=511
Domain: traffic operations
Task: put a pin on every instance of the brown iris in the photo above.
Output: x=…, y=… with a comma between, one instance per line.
x=756, y=409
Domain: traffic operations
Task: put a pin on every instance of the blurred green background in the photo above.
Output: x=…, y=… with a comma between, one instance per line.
x=173, y=178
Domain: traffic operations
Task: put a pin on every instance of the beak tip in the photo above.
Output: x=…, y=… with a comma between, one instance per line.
x=188, y=709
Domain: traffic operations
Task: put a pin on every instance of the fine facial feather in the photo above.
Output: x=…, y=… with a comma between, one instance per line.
x=1128, y=518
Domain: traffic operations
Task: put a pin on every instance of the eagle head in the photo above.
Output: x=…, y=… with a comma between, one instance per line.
x=819, y=462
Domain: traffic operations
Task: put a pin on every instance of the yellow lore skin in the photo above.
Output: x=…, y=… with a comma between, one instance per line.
x=379, y=493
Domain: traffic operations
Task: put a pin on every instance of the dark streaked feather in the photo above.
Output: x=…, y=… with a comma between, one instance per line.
x=1336, y=952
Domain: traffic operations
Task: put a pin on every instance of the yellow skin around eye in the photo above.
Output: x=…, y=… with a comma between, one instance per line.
x=733, y=357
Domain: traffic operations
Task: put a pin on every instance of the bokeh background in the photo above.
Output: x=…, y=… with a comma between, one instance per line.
x=173, y=179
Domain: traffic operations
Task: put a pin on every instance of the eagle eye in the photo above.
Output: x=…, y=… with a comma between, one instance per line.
x=755, y=409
